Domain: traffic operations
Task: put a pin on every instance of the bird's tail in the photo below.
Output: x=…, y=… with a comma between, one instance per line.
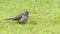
x=9, y=19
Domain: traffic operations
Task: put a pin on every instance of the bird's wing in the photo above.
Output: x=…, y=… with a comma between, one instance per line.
x=18, y=17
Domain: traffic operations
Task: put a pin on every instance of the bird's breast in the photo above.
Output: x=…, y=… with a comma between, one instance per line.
x=23, y=19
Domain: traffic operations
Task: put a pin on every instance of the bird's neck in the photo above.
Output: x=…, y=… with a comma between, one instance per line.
x=26, y=15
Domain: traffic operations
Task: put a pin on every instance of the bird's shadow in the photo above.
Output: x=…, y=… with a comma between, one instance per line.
x=21, y=23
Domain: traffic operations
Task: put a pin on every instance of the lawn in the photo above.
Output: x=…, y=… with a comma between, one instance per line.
x=44, y=16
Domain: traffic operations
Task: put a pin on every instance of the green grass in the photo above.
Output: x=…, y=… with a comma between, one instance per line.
x=44, y=17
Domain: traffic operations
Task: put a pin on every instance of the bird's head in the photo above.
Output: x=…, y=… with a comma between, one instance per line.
x=26, y=13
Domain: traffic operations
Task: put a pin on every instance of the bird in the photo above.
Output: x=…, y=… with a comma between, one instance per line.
x=21, y=18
